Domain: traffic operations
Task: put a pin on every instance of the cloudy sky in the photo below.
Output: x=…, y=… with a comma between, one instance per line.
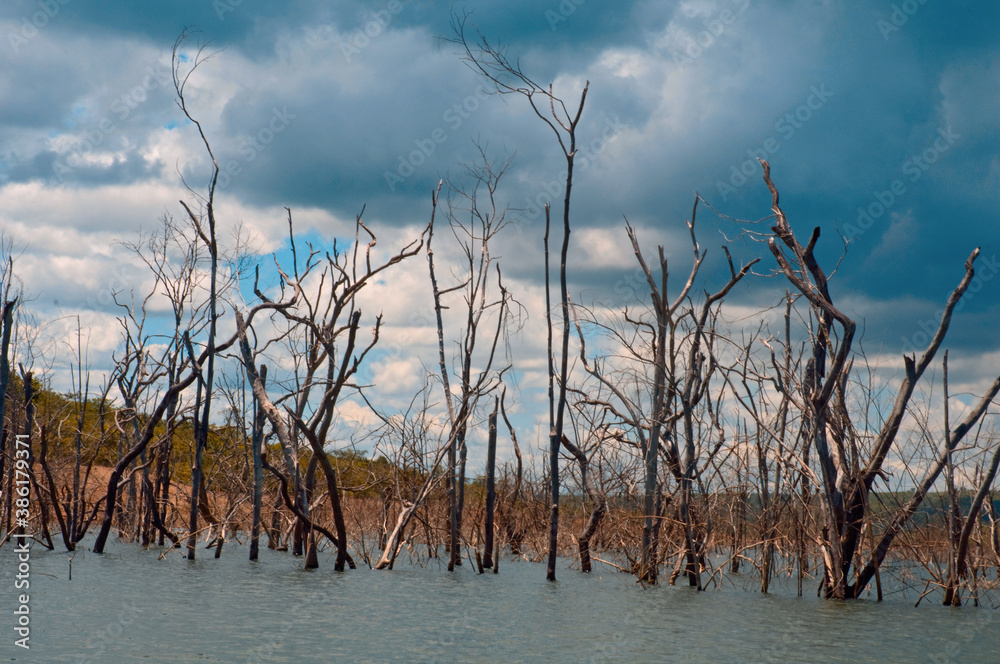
x=881, y=122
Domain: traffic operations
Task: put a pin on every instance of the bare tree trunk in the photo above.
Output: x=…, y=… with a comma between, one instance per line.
x=257, y=445
x=491, y=464
x=332, y=489
x=53, y=493
x=274, y=531
x=994, y=530
x=648, y=565
x=394, y=540
x=598, y=503
x=203, y=408
x=463, y=453
x=145, y=522
x=312, y=556
x=161, y=491
x=511, y=529
x=206, y=378
x=766, y=521
x=133, y=508
x=29, y=422
x=693, y=553
x=29, y=428
x=7, y=478
x=557, y=433
x=148, y=432
x=952, y=595
x=302, y=517
x=196, y=469
x=285, y=436
x=739, y=512
x=593, y=522
x=907, y=510
x=846, y=487
x=971, y=523
x=158, y=523
x=451, y=479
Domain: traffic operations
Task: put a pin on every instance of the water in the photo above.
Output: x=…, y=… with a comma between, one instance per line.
x=127, y=606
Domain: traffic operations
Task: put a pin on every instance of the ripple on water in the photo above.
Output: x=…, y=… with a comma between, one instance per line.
x=128, y=606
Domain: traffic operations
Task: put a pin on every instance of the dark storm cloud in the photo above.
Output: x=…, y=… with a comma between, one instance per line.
x=881, y=122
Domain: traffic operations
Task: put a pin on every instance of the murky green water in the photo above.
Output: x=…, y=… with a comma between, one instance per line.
x=127, y=606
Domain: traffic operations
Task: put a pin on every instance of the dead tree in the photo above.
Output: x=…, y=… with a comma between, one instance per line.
x=508, y=78
x=584, y=454
x=750, y=380
x=323, y=321
x=475, y=219
x=257, y=445
x=204, y=224
x=513, y=532
x=166, y=372
x=136, y=379
x=173, y=258
x=959, y=564
x=846, y=474
x=6, y=457
x=491, y=496
x=29, y=393
x=413, y=442
x=678, y=352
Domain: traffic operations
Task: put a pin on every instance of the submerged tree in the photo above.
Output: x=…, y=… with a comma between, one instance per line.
x=475, y=217
x=676, y=345
x=485, y=317
x=848, y=470
x=508, y=78
x=322, y=312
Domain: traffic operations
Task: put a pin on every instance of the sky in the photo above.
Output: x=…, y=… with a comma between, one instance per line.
x=881, y=122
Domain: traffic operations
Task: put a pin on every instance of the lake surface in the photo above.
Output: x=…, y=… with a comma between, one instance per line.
x=127, y=606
